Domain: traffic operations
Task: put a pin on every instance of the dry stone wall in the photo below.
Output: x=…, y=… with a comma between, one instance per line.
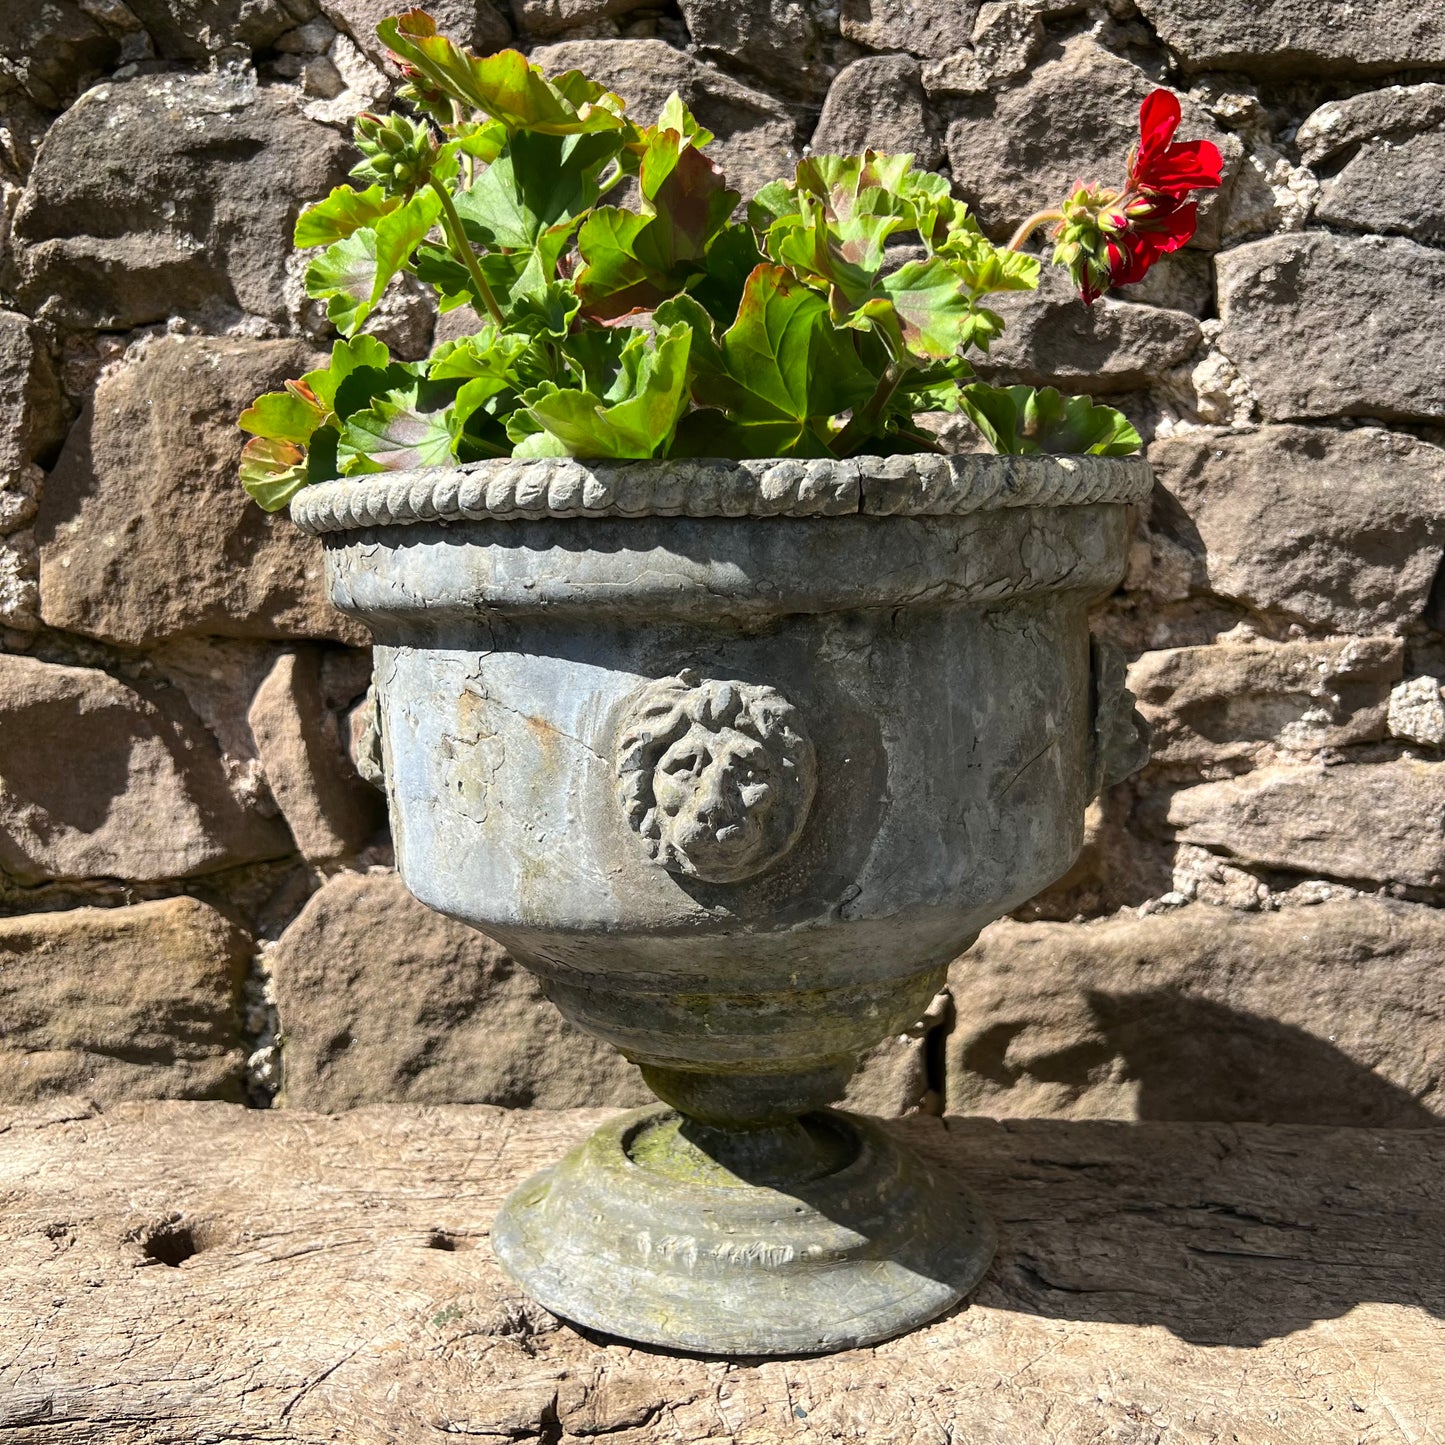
x=196, y=892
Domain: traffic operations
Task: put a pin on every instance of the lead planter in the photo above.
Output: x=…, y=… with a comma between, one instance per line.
x=736, y=757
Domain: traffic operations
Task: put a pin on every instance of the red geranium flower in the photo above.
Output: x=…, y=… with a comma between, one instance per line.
x=1159, y=167
x=1167, y=227
x=1111, y=238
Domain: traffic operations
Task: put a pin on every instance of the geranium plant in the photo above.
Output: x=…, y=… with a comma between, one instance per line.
x=822, y=321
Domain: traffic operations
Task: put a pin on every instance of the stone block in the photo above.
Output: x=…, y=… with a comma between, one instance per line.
x=381, y=1000
x=931, y=29
x=170, y=195
x=1339, y=125
x=121, y=1003
x=100, y=780
x=878, y=103
x=552, y=17
x=1390, y=186
x=1052, y=339
x=780, y=42
x=331, y=812
x=19, y=594
x=1007, y=35
x=33, y=417
x=54, y=50
x=1339, y=530
x=1269, y=195
x=1330, y=326
x=1023, y=149
x=144, y=530
x=1183, y=282
x=1369, y=824
x=1417, y=712
x=1330, y=1014
x=1236, y=701
x=477, y=24
x=1306, y=38
x=892, y=1079
x=195, y=30
x=1385, y=150
x=756, y=139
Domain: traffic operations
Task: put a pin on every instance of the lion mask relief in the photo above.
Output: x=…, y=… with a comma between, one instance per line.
x=716, y=778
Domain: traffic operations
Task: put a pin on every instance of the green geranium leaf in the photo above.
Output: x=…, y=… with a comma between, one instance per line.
x=674, y=115
x=984, y=267
x=482, y=140
x=290, y=415
x=477, y=430
x=782, y=372
x=272, y=471
x=1020, y=420
x=351, y=275
x=504, y=85
x=527, y=435
x=771, y=203
x=346, y=357
x=936, y=387
x=435, y=266
x=687, y=195
x=549, y=312
x=400, y=431
x=483, y=354
x=532, y=198
x=613, y=281
x=345, y=210
x=321, y=461
x=633, y=261
x=708, y=432
x=343, y=276
x=639, y=423
x=729, y=262
x=934, y=313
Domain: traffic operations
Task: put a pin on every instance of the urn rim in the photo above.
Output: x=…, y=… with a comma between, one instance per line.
x=924, y=484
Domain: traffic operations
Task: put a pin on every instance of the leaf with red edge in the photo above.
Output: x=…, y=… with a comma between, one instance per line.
x=290, y=415
x=351, y=274
x=400, y=431
x=687, y=195
x=504, y=85
x=632, y=261
x=782, y=372
x=613, y=282
x=272, y=471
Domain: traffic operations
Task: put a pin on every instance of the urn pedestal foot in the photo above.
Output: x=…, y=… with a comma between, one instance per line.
x=815, y=1234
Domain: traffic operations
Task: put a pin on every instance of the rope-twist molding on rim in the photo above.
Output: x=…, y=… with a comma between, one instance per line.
x=917, y=485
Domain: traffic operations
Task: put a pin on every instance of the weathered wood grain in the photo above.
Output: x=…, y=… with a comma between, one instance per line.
x=202, y=1273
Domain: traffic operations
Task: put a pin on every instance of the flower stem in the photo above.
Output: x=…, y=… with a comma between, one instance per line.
x=861, y=423
x=1038, y=219
x=468, y=162
x=462, y=249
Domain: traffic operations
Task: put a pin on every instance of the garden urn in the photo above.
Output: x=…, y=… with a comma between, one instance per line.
x=736, y=757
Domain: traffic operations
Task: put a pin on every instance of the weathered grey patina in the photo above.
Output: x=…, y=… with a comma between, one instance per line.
x=736, y=757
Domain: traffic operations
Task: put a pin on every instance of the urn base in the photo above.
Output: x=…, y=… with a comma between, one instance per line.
x=823, y=1236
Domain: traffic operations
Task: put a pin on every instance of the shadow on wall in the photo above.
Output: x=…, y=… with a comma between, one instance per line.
x=1182, y=1057
x=1199, y=1060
